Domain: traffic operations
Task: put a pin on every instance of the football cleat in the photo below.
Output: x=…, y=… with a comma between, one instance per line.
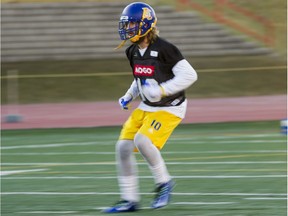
x=122, y=206
x=163, y=195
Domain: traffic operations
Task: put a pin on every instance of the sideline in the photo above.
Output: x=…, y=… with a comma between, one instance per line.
x=29, y=76
x=108, y=113
x=117, y=193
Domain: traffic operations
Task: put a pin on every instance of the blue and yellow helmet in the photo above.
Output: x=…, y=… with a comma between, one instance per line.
x=136, y=21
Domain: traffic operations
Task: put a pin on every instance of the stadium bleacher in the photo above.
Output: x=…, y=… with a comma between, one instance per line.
x=85, y=30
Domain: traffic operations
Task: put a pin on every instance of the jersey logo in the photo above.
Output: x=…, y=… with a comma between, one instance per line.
x=153, y=53
x=143, y=70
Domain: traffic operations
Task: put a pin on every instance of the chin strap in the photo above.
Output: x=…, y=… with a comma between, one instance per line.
x=133, y=39
x=120, y=45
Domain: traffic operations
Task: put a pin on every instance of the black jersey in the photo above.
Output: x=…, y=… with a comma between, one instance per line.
x=156, y=63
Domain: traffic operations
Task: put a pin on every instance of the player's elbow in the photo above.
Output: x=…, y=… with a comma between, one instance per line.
x=192, y=76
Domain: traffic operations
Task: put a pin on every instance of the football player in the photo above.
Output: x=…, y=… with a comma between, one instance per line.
x=161, y=74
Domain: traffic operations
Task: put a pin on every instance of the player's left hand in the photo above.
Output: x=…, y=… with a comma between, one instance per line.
x=152, y=90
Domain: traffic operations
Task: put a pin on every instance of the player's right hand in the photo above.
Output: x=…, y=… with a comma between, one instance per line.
x=125, y=101
x=152, y=90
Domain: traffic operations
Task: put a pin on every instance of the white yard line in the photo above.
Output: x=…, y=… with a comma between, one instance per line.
x=52, y=145
x=117, y=193
x=113, y=153
x=108, y=142
x=229, y=177
x=226, y=162
x=202, y=203
x=186, y=137
x=4, y=173
x=48, y=212
x=182, y=203
x=229, y=142
x=266, y=198
x=168, y=163
x=144, y=177
x=62, y=153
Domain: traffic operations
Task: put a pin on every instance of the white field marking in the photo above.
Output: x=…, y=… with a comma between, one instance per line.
x=266, y=198
x=168, y=163
x=117, y=193
x=228, y=136
x=48, y=212
x=191, y=142
x=62, y=153
x=235, y=136
x=52, y=145
x=221, y=152
x=4, y=173
x=182, y=203
x=144, y=177
x=113, y=153
x=102, y=208
x=108, y=142
x=229, y=177
x=226, y=162
x=59, y=164
x=203, y=203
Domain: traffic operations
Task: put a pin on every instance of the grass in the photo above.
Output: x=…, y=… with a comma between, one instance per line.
x=230, y=169
x=216, y=83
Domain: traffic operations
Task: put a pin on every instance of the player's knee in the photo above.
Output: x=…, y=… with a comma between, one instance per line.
x=141, y=141
x=124, y=148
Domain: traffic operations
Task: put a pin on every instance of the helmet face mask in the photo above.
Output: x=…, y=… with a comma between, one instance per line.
x=136, y=21
x=128, y=29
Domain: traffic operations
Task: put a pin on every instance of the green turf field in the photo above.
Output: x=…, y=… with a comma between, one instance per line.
x=225, y=169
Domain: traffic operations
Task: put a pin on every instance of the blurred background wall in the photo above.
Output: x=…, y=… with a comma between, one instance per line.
x=63, y=51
